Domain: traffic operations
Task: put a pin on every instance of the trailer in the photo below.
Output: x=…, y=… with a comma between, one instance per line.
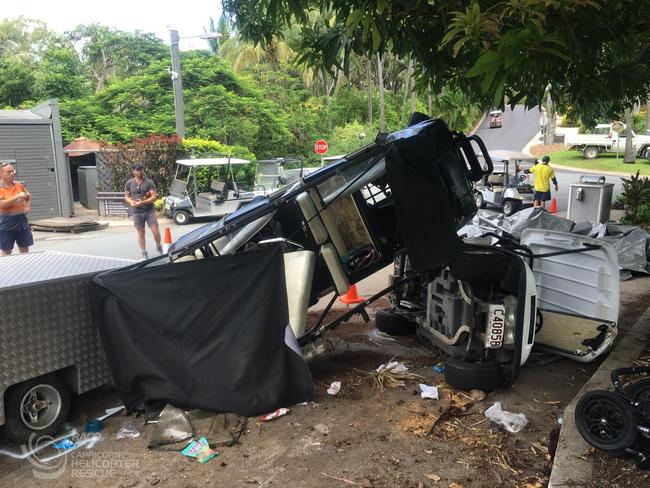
x=50, y=347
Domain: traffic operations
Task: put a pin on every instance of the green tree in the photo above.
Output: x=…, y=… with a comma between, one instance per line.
x=60, y=74
x=16, y=83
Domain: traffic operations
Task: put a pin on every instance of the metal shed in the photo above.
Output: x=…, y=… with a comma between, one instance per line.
x=31, y=140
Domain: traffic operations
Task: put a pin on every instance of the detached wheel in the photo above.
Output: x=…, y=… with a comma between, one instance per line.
x=479, y=200
x=606, y=421
x=510, y=207
x=39, y=406
x=473, y=376
x=639, y=391
x=590, y=152
x=181, y=217
x=393, y=323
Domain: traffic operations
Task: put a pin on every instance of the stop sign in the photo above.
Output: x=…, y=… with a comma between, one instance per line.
x=320, y=146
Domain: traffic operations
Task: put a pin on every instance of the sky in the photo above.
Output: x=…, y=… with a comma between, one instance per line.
x=190, y=18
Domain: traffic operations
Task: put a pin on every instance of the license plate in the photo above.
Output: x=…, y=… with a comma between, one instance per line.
x=496, y=326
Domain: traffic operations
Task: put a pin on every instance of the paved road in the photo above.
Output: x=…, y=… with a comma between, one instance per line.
x=519, y=127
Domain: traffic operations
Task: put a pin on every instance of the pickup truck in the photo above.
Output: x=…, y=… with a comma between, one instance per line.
x=592, y=145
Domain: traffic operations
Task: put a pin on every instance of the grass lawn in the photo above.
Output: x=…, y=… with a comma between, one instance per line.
x=604, y=162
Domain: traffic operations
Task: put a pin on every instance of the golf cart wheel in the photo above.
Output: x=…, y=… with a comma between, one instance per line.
x=510, y=207
x=473, y=376
x=639, y=391
x=393, y=323
x=590, y=152
x=39, y=406
x=479, y=265
x=181, y=217
x=479, y=200
x=606, y=421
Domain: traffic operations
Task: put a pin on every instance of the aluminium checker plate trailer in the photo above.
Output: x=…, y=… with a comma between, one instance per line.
x=49, y=344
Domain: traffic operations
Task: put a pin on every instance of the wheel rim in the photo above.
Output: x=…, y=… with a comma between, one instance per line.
x=591, y=153
x=507, y=208
x=604, y=421
x=478, y=200
x=40, y=407
x=181, y=218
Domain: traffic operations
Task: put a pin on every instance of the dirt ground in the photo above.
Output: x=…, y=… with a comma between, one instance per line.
x=362, y=436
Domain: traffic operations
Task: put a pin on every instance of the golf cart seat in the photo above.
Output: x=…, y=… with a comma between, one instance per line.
x=217, y=191
x=496, y=182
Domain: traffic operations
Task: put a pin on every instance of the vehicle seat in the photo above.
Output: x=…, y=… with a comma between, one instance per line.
x=322, y=235
x=217, y=191
x=298, y=271
x=496, y=182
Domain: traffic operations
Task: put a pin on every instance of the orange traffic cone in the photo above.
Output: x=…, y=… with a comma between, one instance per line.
x=553, y=208
x=351, y=296
x=167, y=240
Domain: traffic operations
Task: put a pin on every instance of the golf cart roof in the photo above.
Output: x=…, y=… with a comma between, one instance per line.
x=211, y=161
x=505, y=155
x=495, y=112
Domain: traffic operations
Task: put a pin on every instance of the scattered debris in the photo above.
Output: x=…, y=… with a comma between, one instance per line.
x=477, y=395
x=364, y=483
x=64, y=445
x=199, y=449
x=128, y=430
x=172, y=431
x=334, y=388
x=392, y=375
x=110, y=412
x=93, y=426
x=323, y=428
x=439, y=368
x=512, y=422
x=274, y=415
x=433, y=477
x=429, y=391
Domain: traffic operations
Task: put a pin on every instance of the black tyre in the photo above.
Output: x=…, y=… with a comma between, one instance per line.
x=393, y=323
x=473, y=376
x=639, y=391
x=606, y=421
x=484, y=266
x=510, y=207
x=39, y=406
x=479, y=200
x=590, y=152
x=181, y=217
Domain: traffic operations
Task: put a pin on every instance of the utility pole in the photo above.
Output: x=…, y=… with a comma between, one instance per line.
x=177, y=81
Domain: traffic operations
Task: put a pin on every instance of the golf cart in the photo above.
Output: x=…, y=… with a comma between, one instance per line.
x=494, y=118
x=271, y=173
x=186, y=202
x=505, y=187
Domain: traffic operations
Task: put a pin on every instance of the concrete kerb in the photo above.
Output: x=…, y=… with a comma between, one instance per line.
x=571, y=467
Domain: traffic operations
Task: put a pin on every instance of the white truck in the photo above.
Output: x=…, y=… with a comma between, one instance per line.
x=604, y=139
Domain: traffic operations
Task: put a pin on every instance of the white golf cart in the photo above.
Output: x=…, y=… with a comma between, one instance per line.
x=186, y=202
x=505, y=188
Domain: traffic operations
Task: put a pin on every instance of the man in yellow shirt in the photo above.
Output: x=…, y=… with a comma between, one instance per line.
x=543, y=174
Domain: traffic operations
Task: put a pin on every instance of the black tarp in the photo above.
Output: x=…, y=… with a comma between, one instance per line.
x=206, y=334
x=432, y=195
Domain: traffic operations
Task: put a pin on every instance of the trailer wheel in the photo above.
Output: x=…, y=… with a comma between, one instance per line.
x=473, y=376
x=393, y=323
x=181, y=217
x=606, y=421
x=39, y=406
x=590, y=152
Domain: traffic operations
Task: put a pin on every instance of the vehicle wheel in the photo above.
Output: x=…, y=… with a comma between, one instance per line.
x=38, y=406
x=479, y=265
x=473, y=376
x=606, y=421
x=639, y=391
x=590, y=152
x=181, y=217
x=393, y=323
x=510, y=207
x=479, y=200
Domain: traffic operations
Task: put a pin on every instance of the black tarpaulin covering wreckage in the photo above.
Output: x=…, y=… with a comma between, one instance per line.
x=168, y=339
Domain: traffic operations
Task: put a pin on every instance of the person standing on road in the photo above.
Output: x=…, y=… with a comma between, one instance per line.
x=15, y=202
x=543, y=174
x=139, y=194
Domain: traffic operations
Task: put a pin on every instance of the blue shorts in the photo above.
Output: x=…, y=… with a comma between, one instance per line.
x=139, y=219
x=542, y=196
x=22, y=237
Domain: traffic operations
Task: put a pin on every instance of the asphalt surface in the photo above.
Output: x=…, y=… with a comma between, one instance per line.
x=519, y=127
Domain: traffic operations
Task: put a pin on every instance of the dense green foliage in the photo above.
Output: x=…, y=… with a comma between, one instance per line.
x=636, y=198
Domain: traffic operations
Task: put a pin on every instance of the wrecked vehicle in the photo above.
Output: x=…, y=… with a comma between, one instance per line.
x=556, y=291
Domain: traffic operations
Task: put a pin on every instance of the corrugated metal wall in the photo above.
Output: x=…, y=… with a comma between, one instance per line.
x=31, y=146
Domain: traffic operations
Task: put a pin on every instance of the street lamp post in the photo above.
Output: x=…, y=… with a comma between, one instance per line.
x=177, y=79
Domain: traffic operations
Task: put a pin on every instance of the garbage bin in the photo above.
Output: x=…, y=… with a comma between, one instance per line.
x=87, y=179
x=590, y=199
